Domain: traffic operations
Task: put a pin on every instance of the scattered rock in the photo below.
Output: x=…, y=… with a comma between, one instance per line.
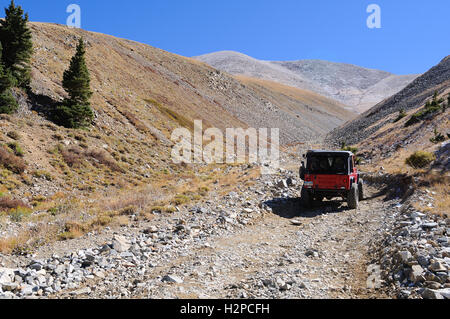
x=172, y=279
x=437, y=267
x=431, y=294
x=120, y=244
x=82, y=291
x=416, y=274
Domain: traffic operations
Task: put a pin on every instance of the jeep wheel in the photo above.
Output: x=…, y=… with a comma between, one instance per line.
x=306, y=198
x=353, y=197
x=362, y=196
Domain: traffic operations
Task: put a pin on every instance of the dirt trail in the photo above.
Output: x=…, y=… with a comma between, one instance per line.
x=323, y=257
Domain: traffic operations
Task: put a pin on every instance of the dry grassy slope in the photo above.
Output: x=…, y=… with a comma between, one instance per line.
x=126, y=74
x=140, y=95
x=304, y=109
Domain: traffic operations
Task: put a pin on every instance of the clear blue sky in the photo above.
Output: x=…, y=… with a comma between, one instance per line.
x=415, y=34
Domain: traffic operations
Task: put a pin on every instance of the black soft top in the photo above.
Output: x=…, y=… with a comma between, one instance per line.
x=327, y=152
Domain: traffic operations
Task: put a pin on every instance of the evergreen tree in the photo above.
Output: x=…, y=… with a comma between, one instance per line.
x=435, y=96
x=16, y=40
x=76, y=112
x=76, y=80
x=8, y=103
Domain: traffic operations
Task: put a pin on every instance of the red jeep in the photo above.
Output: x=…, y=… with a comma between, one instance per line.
x=329, y=174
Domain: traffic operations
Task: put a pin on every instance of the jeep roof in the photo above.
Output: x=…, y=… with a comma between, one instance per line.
x=329, y=152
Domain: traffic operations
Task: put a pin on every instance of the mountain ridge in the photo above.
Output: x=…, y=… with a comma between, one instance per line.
x=358, y=87
x=386, y=135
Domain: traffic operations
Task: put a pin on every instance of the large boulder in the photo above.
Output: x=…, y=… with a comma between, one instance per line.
x=120, y=244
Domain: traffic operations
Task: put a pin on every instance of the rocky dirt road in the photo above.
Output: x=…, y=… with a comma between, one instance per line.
x=255, y=242
x=289, y=253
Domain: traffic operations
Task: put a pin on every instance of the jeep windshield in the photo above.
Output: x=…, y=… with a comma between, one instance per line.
x=327, y=164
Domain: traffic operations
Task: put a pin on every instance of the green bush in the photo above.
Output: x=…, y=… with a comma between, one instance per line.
x=18, y=214
x=420, y=159
x=430, y=108
x=401, y=115
x=438, y=137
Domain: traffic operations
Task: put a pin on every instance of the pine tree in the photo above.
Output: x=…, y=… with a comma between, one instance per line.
x=16, y=40
x=8, y=103
x=76, y=80
x=76, y=112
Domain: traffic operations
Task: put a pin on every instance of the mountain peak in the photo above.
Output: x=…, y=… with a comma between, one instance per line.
x=357, y=87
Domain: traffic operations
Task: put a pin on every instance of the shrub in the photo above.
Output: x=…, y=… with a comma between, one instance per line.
x=57, y=137
x=103, y=158
x=438, y=137
x=181, y=199
x=11, y=161
x=203, y=191
x=130, y=210
x=163, y=209
x=72, y=156
x=346, y=148
x=15, y=147
x=352, y=149
x=420, y=159
x=7, y=203
x=401, y=115
x=72, y=230
x=430, y=109
x=18, y=214
x=101, y=220
x=43, y=174
x=14, y=135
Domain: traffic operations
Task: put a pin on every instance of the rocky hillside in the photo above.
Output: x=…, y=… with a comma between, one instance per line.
x=351, y=85
x=378, y=125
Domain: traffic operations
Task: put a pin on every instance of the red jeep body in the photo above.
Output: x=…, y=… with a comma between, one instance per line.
x=329, y=174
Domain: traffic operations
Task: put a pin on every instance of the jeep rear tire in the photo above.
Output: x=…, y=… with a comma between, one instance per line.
x=306, y=198
x=362, y=195
x=353, y=197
